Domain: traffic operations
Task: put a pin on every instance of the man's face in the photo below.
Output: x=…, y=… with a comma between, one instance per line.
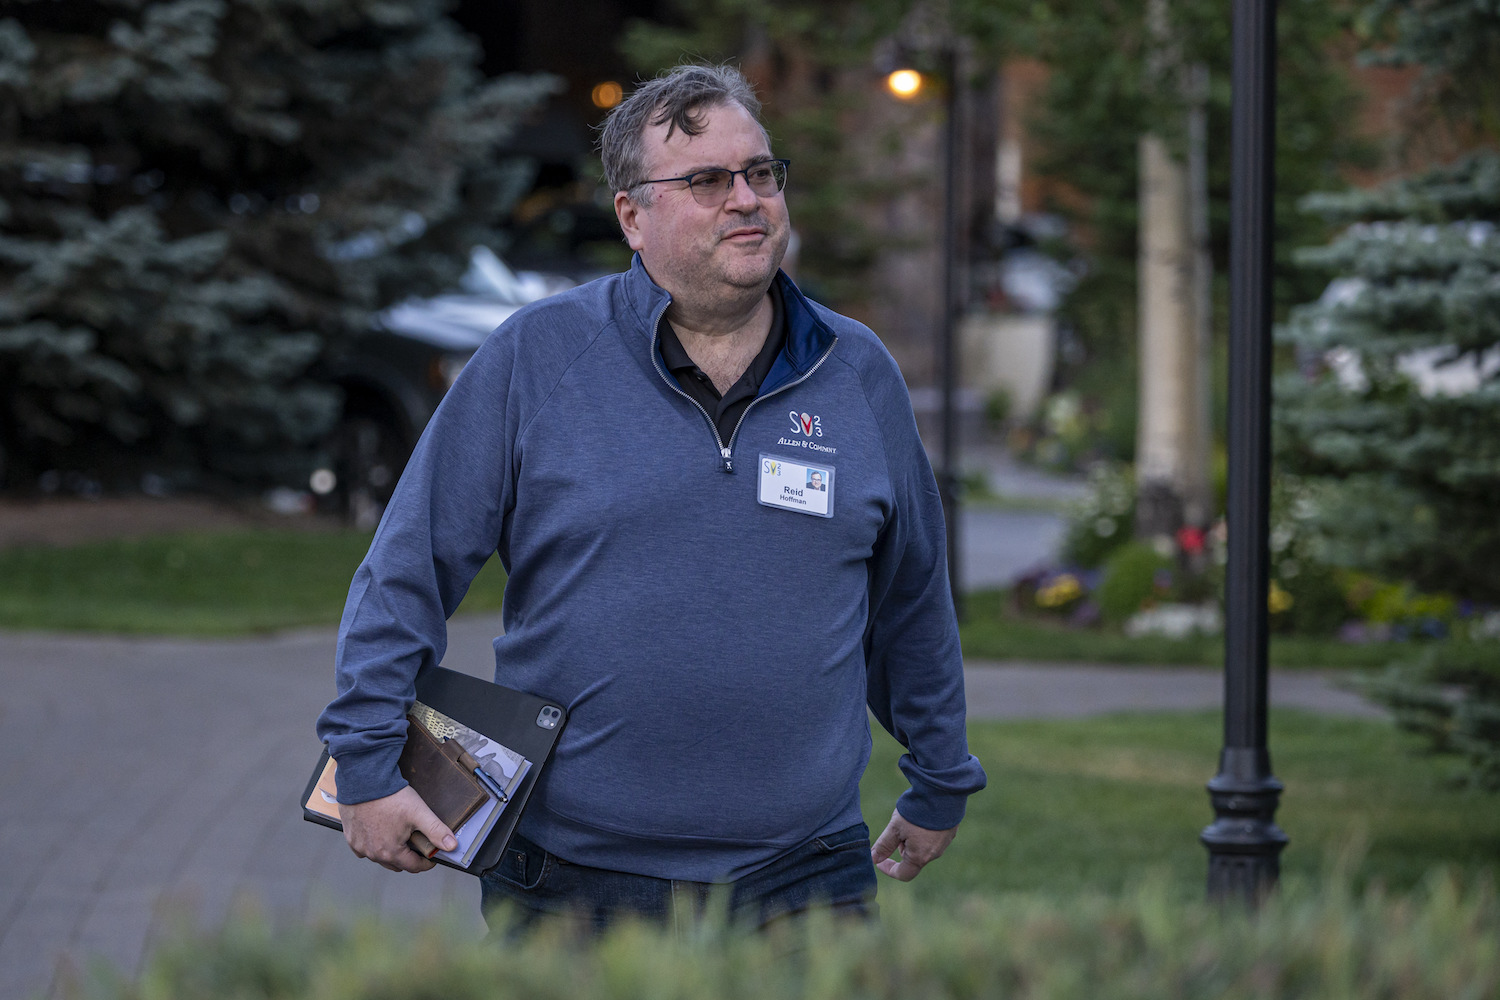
x=706, y=253
x=817, y=479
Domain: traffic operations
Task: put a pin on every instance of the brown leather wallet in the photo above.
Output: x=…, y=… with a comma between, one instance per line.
x=442, y=772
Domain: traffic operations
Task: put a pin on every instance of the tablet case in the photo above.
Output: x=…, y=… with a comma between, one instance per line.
x=525, y=723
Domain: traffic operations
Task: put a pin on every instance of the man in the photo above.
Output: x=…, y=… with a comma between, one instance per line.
x=716, y=692
x=815, y=480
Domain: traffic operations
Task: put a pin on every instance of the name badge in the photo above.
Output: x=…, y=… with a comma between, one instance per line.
x=807, y=489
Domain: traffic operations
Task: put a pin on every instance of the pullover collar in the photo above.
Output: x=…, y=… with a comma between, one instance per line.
x=808, y=338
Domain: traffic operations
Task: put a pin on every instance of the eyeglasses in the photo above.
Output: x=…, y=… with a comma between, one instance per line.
x=711, y=187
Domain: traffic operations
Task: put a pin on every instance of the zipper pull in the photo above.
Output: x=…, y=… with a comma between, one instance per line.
x=728, y=462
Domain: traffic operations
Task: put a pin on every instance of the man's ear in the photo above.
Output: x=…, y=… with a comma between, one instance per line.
x=629, y=214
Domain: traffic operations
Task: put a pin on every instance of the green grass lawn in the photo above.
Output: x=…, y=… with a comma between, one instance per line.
x=238, y=582
x=219, y=583
x=1111, y=802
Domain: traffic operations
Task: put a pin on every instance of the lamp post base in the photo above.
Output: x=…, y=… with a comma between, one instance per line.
x=1244, y=843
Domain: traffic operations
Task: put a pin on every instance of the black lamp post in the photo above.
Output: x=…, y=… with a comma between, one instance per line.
x=1244, y=843
x=907, y=84
x=948, y=349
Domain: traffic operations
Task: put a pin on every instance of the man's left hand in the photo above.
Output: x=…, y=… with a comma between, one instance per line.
x=916, y=846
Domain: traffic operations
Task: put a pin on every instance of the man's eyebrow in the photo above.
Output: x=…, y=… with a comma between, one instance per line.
x=747, y=162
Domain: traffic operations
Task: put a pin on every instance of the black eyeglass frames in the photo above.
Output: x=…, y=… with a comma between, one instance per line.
x=711, y=187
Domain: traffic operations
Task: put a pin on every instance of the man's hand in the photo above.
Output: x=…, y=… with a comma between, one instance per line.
x=916, y=845
x=379, y=830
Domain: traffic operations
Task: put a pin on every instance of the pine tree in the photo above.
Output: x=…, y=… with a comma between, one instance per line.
x=197, y=197
x=1393, y=418
x=1396, y=409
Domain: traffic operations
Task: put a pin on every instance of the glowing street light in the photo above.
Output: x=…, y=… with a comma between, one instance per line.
x=904, y=83
x=607, y=94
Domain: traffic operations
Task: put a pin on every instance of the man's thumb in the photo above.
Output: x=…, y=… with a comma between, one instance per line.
x=430, y=833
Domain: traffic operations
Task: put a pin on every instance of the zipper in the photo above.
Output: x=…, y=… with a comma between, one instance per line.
x=728, y=462
x=726, y=452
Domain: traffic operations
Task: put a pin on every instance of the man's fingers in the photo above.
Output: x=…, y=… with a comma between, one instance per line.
x=422, y=845
x=888, y=843
x=916, y=846
x=432, y=830
x=381, y=828
x=901, y=871
x=396, y=857
x=410, y=861
x=917, y=853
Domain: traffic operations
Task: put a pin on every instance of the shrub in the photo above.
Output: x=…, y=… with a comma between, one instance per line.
x=1134, y=575
x=997, y=409
x=1305, y=942
x=1450, y=694
x=1104, y=519
x=1397, y=609
x=1318, y=605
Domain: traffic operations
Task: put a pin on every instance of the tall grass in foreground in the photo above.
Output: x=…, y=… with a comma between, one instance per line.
x=1313, y=941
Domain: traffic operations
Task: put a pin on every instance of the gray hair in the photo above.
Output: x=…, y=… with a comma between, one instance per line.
x=677, y=99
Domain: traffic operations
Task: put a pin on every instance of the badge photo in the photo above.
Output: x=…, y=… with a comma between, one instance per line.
x=798, y=486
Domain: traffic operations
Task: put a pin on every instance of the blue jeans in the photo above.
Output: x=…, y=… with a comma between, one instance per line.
x=834, y=871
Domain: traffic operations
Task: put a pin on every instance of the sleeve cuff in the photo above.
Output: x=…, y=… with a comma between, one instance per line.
x=371, y=774
x=937, y=800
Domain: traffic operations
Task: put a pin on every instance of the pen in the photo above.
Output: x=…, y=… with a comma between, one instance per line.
x=489, y=783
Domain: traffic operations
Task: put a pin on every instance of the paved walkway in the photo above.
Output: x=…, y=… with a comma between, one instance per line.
x=146, y=782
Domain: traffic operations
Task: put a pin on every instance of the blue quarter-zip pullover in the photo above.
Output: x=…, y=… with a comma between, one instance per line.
x=716, y=654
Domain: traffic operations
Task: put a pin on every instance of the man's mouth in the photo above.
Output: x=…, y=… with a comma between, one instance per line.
x=743, y=233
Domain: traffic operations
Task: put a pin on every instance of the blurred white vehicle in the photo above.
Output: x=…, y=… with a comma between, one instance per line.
x=394, y=377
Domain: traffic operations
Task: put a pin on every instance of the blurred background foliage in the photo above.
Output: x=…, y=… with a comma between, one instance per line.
x=198, y=196
x=1099, y=99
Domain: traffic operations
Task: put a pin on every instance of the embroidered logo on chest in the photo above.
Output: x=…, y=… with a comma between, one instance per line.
x=807, y=428
x=806, y=424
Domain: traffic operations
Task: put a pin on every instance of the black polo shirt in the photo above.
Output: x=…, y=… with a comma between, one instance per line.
x=725, y=410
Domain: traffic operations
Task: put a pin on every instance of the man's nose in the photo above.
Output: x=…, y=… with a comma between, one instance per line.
x=741, y=198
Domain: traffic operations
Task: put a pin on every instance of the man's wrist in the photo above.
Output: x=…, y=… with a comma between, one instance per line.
x=368, y=775
x=933, y=810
